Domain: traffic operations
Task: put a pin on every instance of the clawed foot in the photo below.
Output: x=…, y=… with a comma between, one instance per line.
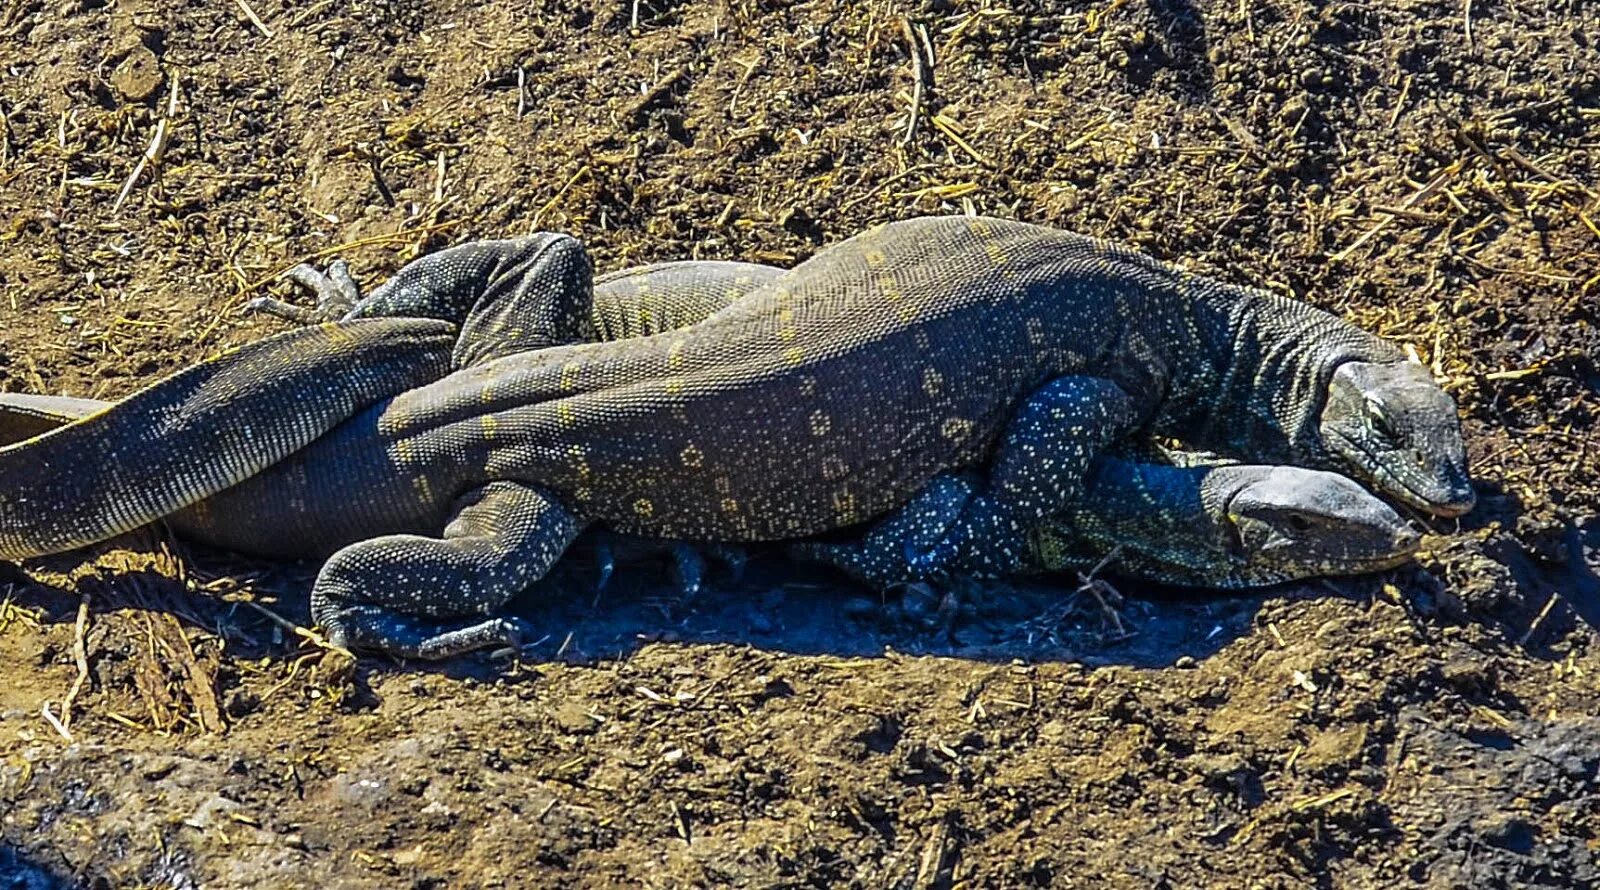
x=336, y=290
x=366, y=628
x=689, y=561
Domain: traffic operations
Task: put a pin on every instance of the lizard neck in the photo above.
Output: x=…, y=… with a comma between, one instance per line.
x=1255, y=377
x=1155, y=518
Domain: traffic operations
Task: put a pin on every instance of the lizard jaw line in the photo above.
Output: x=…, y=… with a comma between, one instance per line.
x=1393, y=484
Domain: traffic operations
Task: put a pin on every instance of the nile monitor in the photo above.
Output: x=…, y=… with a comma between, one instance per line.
x=826, y=397
x=1201, y=524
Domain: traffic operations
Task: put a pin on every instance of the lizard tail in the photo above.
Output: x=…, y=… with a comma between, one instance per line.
x=204, y=429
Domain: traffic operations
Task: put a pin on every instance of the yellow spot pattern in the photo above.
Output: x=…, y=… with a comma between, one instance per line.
x=887, y=285
x=580, y=462
x=692, y=457
x=644, y=508
x=956, y=428
x=336, y=334
x=985, y=235
x=844, y=508
x=834, y=469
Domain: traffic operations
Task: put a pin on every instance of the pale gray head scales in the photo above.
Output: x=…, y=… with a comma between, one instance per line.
x=1286, y=523
x=1392, y=425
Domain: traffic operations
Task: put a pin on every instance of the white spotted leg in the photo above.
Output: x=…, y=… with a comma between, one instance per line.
x=1038, y=469
x=878, y=558
x=392, y=594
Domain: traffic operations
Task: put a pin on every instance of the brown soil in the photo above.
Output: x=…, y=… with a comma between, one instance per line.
x=1430, y=174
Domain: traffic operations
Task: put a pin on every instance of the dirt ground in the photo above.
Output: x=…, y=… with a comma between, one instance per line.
x=1427, y=169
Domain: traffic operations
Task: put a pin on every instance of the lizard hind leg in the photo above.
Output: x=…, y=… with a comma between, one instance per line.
x=392, y=594
x=506, y=295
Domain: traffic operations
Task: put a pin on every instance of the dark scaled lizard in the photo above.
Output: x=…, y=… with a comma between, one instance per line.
x=1197, y=523
x=826, y=397
x=1204, y=524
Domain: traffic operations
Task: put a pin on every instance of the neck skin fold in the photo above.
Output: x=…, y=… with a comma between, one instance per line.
x=1252, y=378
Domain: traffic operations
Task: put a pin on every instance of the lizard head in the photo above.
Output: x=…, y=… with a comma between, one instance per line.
x=1391, y=425
x=1223, y=525
x=1287, y=523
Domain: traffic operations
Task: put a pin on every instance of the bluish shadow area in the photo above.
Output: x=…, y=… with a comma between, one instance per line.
x=780, y=606
x=19, y=872
x=776, y=605
x=1583, y=570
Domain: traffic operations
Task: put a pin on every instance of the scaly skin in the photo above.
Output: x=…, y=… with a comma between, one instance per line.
x=1212, y=525
x=217, y=423
x=827, y=397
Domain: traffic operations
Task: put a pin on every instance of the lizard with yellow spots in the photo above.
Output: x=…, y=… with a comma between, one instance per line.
x=828, y=396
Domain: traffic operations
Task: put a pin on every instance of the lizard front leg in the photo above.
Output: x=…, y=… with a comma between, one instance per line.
x=389, y=593
x=1038, y=469
x=879, y=556
x=507, y=295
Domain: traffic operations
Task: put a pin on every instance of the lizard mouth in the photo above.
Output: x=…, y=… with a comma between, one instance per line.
x=1371, y=464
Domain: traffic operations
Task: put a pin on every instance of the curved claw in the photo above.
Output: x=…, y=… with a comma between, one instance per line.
x=605, y=557
x=495, y=632
x=335, y=289
x=342, y=281
x=364, y=628
x=689, y=568
x=286, y=311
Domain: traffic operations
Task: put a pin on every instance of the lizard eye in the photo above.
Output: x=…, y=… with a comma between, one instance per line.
x=1379, y=422
x=1299, y=523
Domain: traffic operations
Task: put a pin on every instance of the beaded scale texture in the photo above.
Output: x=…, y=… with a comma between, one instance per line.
x=828, y=396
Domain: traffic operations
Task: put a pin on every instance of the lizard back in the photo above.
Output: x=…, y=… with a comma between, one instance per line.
x=820, y=400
